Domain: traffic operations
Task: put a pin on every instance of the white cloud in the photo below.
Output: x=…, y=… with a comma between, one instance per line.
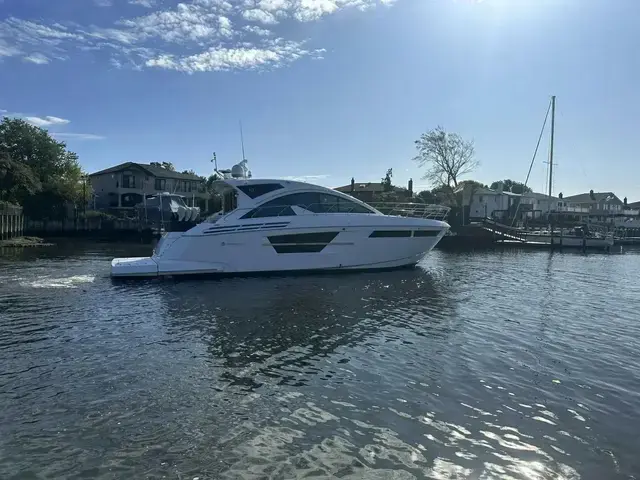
x=143, y=3
x=7, y=50
x=219, y=59
x=51, y=121
x=274, y=5
x=103, y=3
x=77, y=136
x=262, y=32
x=257, y=15
x=307, y=178
x=37, y=58
x=190, y=36
x=46, y=121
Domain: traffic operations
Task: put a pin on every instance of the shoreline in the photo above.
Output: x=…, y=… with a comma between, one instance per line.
x=21, y=242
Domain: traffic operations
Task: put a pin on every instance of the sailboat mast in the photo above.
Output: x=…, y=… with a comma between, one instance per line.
x=242, y=140
x=553, y=127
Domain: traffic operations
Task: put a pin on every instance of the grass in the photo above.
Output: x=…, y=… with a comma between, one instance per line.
x=24, y=242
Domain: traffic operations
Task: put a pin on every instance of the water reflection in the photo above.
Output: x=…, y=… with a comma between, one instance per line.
x=282, y=325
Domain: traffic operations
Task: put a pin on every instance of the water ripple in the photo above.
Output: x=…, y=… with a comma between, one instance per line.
x=505, y=364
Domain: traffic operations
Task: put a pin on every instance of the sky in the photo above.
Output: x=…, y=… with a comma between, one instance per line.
x=332, y=89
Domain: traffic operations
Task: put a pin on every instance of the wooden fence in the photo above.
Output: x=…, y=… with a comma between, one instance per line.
x=11, y=221
x=79, y=226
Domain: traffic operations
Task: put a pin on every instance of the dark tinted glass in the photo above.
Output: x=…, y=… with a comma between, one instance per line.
x=257, y=190
x=315, y=202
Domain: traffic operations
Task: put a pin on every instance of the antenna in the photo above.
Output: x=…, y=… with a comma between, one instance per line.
x=242, y=140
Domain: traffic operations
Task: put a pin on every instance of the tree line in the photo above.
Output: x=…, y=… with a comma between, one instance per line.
x=38, y=172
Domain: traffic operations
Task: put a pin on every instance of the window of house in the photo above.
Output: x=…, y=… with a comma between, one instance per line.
x=128, y=180
x=161, y=184
x=315, y=202
x=480, y=198
x=259, y=189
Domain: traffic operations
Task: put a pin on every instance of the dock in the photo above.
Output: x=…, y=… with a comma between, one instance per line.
x=11, y=221
x=488, y=233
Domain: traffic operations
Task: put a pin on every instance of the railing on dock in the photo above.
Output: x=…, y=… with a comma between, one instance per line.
x=504, y=232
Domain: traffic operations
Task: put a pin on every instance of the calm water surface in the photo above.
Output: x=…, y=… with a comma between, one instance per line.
x=520, y=365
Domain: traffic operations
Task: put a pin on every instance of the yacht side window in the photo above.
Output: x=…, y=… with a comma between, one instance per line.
x=315, y=202
x=278, y=207
x=259, y=189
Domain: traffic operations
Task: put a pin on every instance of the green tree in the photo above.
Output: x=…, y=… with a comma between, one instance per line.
x=16, y=180
x=446, y=156
x=190, y=172
x=386, y=181
x=36, y=170
x=511, y=186
x=426, y=196
x=165, y=165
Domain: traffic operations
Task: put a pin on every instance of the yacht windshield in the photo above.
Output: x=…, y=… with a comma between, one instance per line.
x=315, y=202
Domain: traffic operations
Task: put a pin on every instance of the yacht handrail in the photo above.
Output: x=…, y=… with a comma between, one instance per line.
x=418, y=210
x=410, y=209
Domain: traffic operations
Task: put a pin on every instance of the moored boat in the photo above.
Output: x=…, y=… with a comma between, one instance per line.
x=287, y=226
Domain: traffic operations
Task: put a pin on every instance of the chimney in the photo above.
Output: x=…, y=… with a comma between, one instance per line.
x=410, y=187
x=353, y=184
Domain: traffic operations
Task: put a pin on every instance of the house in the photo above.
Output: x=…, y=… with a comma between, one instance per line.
x=500, y=204
x=487, y=203
x=125, y=185
x=601, y=206
x=371, y=191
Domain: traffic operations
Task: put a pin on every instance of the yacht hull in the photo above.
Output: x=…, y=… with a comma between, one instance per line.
x=273, y=246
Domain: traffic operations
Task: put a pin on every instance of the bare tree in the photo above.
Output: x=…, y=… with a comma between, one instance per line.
x=447, y=157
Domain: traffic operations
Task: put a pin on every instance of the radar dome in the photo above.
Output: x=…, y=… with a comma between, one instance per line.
x=239, y=170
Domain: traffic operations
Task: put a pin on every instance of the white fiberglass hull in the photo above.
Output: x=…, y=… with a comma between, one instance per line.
x=364, y=242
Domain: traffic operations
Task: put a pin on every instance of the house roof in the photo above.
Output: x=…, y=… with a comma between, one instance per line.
x=375, y=187
x=597, y=198
x=539, y=196
x=152, y=170
x=488, y=191
x=634, y=205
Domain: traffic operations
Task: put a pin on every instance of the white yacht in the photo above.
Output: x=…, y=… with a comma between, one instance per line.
x=287, y=226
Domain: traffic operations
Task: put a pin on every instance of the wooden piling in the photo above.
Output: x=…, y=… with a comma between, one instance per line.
x=10, y=221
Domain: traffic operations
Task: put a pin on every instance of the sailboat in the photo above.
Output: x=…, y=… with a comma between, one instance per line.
x=577, y=237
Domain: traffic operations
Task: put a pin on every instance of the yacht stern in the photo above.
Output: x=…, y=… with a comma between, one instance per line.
x=134, y=267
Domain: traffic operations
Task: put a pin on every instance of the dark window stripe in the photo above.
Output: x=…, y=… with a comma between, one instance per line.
x=257, y=190
x=426, y=233
x=390, y=233
x=301, y=238
x=300, y=248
